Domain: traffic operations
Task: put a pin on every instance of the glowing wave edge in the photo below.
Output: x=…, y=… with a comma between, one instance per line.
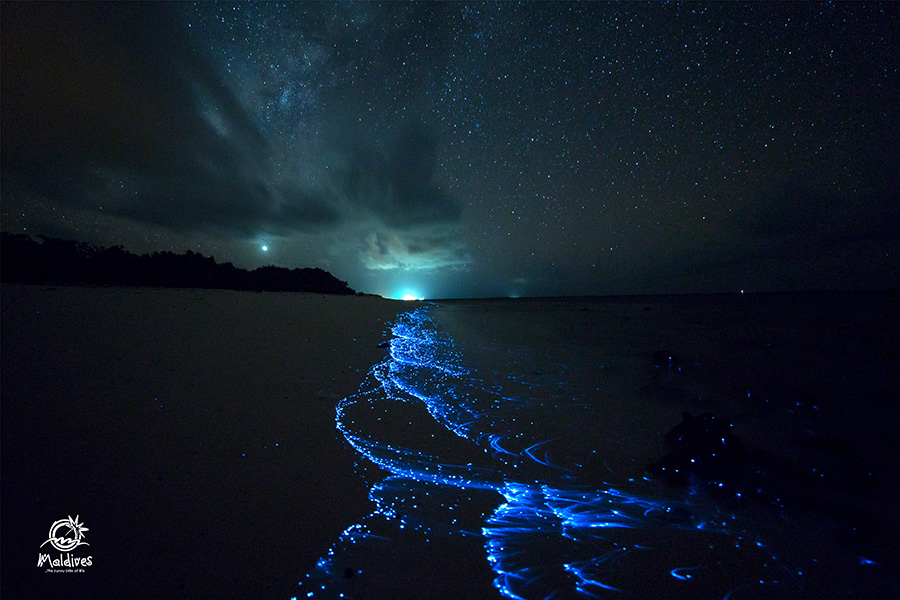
x=470, y=464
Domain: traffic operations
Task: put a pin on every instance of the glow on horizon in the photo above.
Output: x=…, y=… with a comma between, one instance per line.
x=410, y=296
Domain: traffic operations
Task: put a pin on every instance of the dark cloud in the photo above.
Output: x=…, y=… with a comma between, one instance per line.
x=405, y=220
x=242, y=207
x=397, y=184
x=121, y=112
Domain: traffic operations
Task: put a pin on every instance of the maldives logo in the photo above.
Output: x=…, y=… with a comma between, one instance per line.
x=65, y=535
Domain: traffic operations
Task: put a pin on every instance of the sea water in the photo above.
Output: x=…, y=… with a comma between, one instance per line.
x=508, y=445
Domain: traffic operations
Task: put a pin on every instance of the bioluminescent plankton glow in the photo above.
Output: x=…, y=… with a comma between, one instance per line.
x=469, y=464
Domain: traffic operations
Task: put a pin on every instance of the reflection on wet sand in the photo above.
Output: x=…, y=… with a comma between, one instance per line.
x=515, y=479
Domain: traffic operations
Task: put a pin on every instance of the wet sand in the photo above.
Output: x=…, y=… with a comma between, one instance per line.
x=810, y=382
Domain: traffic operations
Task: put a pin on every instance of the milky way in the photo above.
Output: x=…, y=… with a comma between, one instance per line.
x=467, y=149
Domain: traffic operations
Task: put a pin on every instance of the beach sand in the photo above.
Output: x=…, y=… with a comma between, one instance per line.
x=191, y=431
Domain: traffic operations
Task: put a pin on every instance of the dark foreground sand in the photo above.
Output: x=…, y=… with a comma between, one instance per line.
x=192, y=431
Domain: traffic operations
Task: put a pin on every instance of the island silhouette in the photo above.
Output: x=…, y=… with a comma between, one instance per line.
x=48, y=260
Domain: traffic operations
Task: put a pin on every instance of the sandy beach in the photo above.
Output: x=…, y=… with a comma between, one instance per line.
x=450, y=301
x=192, y=431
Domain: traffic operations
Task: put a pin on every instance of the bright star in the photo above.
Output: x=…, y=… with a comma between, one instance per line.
x=265, y=248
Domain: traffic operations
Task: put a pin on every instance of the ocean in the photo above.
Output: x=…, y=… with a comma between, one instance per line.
x=722, y=446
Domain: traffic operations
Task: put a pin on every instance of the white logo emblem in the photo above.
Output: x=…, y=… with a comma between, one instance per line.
x=73, y=534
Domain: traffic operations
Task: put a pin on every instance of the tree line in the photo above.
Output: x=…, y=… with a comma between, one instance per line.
x=43, y=259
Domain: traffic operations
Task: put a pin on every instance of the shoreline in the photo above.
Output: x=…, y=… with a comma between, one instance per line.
x=193, y=431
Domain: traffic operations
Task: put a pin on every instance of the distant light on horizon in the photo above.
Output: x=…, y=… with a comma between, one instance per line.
x=409, y=296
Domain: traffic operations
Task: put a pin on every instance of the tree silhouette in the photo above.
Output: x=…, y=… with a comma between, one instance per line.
x=25, y=259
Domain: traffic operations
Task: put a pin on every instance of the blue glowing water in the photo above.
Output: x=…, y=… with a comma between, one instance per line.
x=539, y=481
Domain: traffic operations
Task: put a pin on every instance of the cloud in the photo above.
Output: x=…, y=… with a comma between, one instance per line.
x=422, y=248
x=410, y=222
x=242, y=206
x=397, y=184
x=111, y=106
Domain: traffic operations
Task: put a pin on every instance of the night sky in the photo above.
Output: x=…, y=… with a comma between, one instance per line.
x=446, y=149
